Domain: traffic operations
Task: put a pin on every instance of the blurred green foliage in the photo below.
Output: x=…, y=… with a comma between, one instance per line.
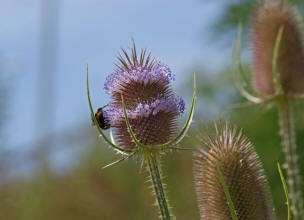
x=88, y=192
x=241, y=11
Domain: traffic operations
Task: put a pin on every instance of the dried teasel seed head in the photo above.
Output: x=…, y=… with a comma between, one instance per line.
x=235, y=156
x=152, y=106
x=266, y=23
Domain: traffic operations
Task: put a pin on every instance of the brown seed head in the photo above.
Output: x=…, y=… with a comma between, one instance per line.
x=265, y=27
x=243, y=174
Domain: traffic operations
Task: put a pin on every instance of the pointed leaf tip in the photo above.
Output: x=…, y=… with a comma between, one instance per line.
x=120, y=149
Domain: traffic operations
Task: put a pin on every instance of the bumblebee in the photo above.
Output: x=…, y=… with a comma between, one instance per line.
x=102, y=121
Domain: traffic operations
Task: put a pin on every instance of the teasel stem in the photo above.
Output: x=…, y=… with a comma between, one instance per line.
x=287, y=133
x=155, y=173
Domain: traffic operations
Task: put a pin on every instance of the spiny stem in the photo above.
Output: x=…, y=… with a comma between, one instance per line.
x=155, y=174
x=287, y=133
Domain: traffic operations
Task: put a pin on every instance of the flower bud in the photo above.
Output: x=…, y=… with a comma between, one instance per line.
x=290, y=63
x=151, y=105
x=243, y=174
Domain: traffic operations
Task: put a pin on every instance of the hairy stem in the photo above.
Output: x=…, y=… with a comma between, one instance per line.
x=287, y=132
x=155, y=174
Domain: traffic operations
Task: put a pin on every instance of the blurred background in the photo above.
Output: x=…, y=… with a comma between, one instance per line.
x=51, y=157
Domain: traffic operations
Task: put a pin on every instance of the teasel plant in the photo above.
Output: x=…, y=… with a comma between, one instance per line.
x=278, y=75
x=229, y=178
x=144, y=112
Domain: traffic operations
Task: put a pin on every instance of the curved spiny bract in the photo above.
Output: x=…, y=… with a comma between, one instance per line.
x=243, y=174
x=151, y=105
x=266, y=23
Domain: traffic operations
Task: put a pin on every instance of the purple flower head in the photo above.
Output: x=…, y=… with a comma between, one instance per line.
x=151, y=105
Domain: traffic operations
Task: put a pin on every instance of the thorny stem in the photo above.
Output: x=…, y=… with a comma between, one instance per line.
x=155, y=174
x=287, y=133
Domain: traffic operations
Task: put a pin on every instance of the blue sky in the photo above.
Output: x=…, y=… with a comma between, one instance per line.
x=176, y=32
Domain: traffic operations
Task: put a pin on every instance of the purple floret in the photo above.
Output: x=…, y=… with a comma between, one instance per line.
x=159, y=72
x=181, y=104
x=165, y=104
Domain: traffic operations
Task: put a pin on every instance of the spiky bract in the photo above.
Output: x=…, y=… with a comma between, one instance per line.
x=243, y=174
x=266, y=22
x=151, y=105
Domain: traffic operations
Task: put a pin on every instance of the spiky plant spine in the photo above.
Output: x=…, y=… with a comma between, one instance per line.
x=243, y=173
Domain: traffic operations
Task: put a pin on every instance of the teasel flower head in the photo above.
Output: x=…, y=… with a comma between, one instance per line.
x=232, y=154
x=152, y=107
x=143, y=110
x=266, y=24
x=277, y=56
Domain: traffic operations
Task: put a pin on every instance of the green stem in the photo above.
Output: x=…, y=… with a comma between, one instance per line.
x=287, y=132
x=155, y=174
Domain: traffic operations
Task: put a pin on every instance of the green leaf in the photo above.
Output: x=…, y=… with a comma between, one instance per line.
x=239, y=70
x=186, y=127
x=174, y=141
x=120, y=149
x=285, y=190
x=227, y=194
x=129, y=126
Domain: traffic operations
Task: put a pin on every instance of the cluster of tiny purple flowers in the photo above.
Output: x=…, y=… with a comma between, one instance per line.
x=147, y=73
x=151, y=105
